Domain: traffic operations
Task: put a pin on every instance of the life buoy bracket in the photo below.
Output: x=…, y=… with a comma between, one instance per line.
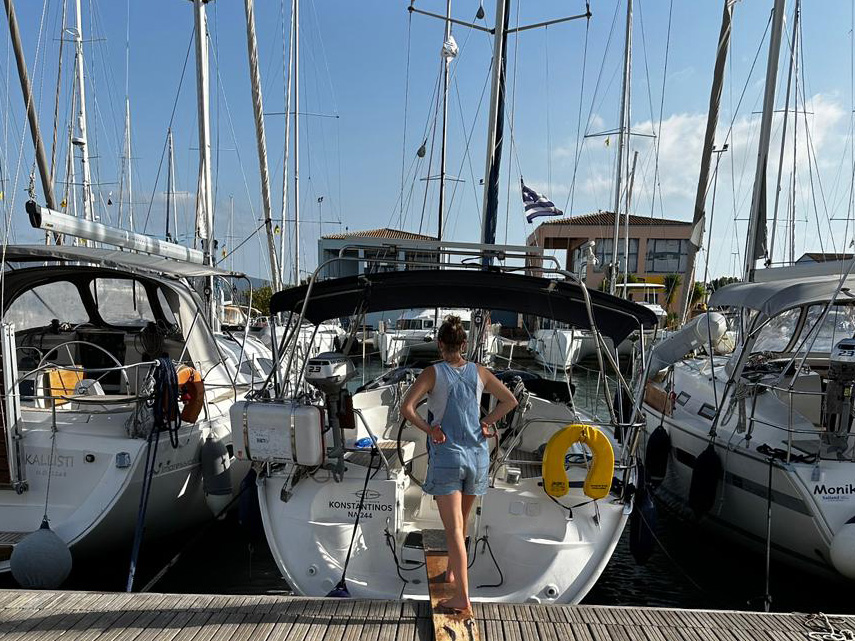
x=598, y=481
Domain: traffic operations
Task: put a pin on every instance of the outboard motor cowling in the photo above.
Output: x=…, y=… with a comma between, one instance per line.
x=329, y=372
x=838, y=394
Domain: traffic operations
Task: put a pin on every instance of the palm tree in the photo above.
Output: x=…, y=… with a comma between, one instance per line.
x=699, y=292
x=672, y=283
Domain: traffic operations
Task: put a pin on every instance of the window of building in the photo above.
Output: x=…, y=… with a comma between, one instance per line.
x=603, y=252
x=423, y=259
x=375, y=260
x=666, y=256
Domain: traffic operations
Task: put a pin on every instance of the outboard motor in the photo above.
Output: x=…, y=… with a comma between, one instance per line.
x=328, y=372
x=838, y=394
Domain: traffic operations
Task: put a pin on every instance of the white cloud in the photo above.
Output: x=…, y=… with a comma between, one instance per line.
x=680, y=146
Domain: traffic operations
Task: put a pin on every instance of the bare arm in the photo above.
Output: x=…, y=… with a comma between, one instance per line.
x=423, y=385
x=506, y=400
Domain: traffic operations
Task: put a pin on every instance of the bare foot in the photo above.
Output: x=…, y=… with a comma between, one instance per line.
x=449, y=576
x=456, y=604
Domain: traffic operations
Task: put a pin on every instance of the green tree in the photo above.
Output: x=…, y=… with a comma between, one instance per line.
x=261, y=299
x=672, y=284
x=718, y=283
x=630, y=278
x=699, y=292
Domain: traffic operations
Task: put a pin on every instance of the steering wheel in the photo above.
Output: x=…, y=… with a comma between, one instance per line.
x=31, y=348
x=67, y=345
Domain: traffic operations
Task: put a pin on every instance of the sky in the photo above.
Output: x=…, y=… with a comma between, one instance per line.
x=369, y=78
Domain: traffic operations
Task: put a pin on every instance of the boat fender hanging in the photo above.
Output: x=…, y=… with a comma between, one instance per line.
x=656, y=455
x=642, y=521
x=842, y=550
x=705, y=479
x=216, y=475
x=192, y=393
x=599, y=478
x=41, y=561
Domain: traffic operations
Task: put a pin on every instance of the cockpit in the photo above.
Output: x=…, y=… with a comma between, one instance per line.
x=81, y=331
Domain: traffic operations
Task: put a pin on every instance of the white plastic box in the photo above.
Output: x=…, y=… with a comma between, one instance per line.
x=278, y=432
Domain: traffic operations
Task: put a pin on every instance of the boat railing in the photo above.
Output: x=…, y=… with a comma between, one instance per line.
x=65, y=400
x=842, y=449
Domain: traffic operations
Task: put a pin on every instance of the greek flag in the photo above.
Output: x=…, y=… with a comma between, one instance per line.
x=537, y=205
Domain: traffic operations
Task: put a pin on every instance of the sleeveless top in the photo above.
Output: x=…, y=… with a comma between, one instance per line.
x=454, y=403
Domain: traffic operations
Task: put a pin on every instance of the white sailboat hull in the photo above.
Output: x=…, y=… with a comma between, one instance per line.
x=810, y=503
x=94, y=503
x=536, y=553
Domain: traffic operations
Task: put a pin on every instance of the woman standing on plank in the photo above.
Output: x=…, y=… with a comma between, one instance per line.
x=458, y=453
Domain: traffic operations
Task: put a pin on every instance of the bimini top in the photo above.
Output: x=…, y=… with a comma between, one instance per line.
x=110, y=258
x=773, y=297
x=558, y=300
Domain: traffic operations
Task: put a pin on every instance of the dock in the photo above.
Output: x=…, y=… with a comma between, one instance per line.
x=96, y=616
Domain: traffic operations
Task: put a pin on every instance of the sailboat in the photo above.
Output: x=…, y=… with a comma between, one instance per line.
x=115, y=389
x=414, y=336
x=341, y=470
x=758, y=443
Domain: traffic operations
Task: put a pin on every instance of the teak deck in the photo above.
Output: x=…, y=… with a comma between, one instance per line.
x=91, y=616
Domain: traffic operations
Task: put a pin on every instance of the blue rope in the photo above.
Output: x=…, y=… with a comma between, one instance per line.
x=167, y=417
x=167, y=414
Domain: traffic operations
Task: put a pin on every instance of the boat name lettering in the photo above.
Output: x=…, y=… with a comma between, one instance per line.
x=835, y=490
x=45, y=460
x=171, y=467
x=354, y=505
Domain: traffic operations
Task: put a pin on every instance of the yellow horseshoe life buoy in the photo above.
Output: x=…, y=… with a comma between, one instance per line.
x=599, y=478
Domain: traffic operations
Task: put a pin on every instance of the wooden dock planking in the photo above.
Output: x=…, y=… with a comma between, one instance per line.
x=447, y=626
x=91, y=616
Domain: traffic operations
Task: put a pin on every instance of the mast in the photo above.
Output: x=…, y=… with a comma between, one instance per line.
x=626, y=223
x=622, y=139
x=448, y=53
x=261, y=140
x=796, y=12
x=204, y=197
x=287, y=71
x=80, y=141
x=295, y=25
x=496, y=127
x=126, y=162
x=30, y=104
x=699, y=218
x=170, y=183
x=756, y=244
x=126, y=169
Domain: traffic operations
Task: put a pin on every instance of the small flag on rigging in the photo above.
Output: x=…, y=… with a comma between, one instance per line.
x=537, y=205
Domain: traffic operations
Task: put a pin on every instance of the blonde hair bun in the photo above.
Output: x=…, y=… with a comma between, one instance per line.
x=451, y=333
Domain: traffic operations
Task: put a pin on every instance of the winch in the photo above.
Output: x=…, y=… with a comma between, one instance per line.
x=838, y=393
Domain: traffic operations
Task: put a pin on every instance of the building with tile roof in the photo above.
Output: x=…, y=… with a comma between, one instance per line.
x=393, y=244
x=657, y=247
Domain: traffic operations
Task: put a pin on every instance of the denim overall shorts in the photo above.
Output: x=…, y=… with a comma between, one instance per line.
x=461, y=463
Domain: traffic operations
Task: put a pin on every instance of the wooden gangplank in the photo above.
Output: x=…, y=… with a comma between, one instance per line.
x=446, y=626
x=95, y=616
